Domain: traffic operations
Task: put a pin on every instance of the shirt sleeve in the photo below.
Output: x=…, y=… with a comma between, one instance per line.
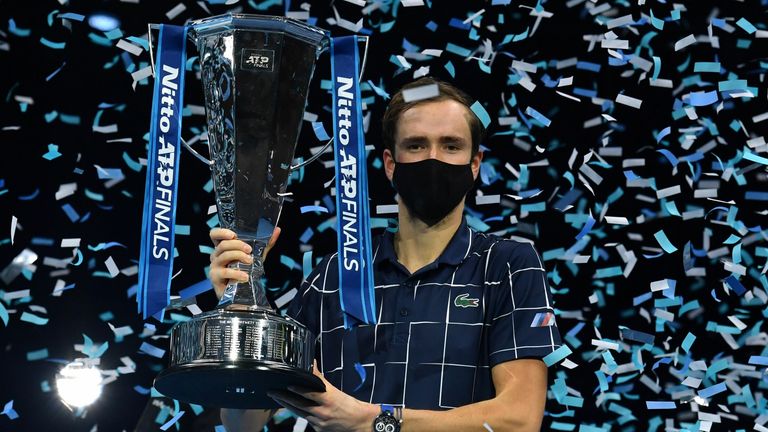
x=523, y=318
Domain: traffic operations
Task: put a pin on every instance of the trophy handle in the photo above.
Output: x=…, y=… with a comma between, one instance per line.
x=366, y=42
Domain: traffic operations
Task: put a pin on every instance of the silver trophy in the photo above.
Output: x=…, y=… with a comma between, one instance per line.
x=256, y=72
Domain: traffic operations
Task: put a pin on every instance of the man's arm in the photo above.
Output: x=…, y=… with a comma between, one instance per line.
x=521, y=388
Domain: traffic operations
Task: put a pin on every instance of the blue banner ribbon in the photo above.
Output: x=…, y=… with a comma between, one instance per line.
x=157, y=230
x=353, y=214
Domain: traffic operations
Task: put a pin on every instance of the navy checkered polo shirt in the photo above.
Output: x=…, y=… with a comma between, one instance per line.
x=440, y=330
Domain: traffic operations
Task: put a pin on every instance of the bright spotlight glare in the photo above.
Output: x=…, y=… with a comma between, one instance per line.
x=103, y=22
x=79, y=384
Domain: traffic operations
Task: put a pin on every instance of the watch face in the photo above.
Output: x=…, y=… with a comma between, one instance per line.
x=386, y=423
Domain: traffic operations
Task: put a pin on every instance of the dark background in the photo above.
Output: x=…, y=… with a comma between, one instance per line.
x=92, y=81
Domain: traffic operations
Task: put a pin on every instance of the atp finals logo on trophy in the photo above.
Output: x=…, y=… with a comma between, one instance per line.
x=255, y=72
x=257, y=59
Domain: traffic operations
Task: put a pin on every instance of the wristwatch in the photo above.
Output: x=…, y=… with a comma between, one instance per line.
x=389, y=420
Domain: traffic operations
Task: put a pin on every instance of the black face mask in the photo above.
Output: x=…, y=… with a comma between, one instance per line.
x=431, y=188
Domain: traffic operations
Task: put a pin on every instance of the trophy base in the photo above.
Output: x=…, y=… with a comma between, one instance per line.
x=232, y=356
x=239, y=386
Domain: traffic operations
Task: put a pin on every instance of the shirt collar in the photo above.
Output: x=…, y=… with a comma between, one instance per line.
x=454, y=253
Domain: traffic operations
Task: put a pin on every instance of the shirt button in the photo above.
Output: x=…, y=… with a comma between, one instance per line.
x=404, y=312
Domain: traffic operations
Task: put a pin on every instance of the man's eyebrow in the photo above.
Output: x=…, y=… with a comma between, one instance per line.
x=417, y=139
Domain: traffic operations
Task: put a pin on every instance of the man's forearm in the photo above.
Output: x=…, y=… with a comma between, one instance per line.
x=236, y=420
x=500, y=415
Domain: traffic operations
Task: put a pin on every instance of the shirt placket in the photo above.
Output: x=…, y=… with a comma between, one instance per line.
x=404, y=311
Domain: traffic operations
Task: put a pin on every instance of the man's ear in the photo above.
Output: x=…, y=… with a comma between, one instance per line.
x=389, y=163
x=476, y=160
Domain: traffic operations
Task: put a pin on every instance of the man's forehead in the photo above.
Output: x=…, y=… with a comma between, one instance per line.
x=423, y=118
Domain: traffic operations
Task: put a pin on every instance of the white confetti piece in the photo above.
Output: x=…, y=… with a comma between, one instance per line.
x=387, y=209
x=175, y=11
x=129, y=47
x=684, y=42
x=420, y=93
x=70, y=242
x=487, y=199
x=14, y=222
x=628, y=101
x=112, y=267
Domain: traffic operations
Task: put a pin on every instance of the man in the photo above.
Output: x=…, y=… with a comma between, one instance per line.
x=459, y=336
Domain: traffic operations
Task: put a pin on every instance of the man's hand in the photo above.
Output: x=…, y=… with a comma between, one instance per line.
x=329, y=411
x=228, y=249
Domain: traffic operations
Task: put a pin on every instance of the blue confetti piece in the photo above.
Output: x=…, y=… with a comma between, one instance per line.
x=567, y=199
x=756, y=196
x=72, y=16
x=661, y=237
x=141, y=390
x=664, y=132
x=3, y=314
x=590, y=222
x=748, y=155
x=660, y=405
x=14, y=29
x=557, y=355
x=481, y=113
x=37, y=355
x=71, y=212
x=306, y=235
x=33, y=319
x=172, y=421
x=9, y=411
x=735, y=285
x=450, y=68
x=746, y=25
x=712, y=390
x=320, y=132
x=313, y=208
x=361, y=373
x=637, y=336
x=758, y=360
x=458, y=50
x=688, y=341
x=152, y=350
x=701, y=98
x=53, y=152
x=538, y=116
x=31, y=196
x=52, y=44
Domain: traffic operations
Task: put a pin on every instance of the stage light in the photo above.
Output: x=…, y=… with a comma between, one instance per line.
x=103, y=21
x=79, y=384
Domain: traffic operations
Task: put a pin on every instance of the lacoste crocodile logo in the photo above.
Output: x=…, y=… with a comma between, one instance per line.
x=463, y=301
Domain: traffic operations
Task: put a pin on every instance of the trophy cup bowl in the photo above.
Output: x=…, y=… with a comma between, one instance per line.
x=256, y=72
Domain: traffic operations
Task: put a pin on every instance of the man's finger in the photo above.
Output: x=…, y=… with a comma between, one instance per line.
x=219, y=234
x=224, y=275
x=272, y=241
x=291, y=407
x=229, y=257
x=228, y=245
x=307, y=393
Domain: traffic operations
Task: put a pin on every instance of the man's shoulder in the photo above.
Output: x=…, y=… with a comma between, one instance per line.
x=502, y=251
x=326, y=263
